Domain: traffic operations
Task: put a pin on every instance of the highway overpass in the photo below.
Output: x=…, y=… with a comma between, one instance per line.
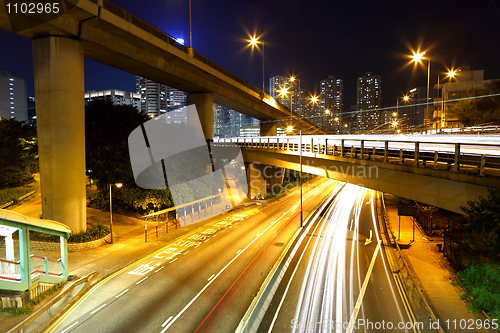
x=442, y=171
x=107, y=33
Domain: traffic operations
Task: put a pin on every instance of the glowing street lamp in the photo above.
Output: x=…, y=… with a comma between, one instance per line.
x=405, y=99
x=417, y=58
x=451, y=75
x=111, y=209
x=290, y=129
x=253, y=42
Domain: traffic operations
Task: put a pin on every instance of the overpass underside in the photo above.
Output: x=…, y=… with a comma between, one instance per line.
x=438, y=188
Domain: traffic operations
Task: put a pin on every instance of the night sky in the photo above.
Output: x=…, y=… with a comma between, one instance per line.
x=312, y=39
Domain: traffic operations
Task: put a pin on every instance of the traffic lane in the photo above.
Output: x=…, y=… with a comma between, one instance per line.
x=198, y=315
x=378, y=296
x=182, y=270
x=226, y=315
x=288, y=291
x=382, y=308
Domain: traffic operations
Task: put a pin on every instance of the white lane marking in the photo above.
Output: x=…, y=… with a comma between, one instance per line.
x=166, y=321
x=69, y=327
x=363, y=290
x=185, y=253
x=173, y=260
x=210, y=278
x=238, y=251
x=123, y=292
x=159, y=269
x=99, y=308
x=142, y=280
x=211, y=281
x=368, y=241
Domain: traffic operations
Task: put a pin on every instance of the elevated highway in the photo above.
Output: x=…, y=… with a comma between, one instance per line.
x=107, y=33
x=442, y=171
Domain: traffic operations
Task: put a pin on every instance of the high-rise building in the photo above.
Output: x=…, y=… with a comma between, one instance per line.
x=229, y=123
x=331, y=99
x=31, y=111
x=369, y=98
x=13, y=97
x=153, y=96
x=157, y=99
x=176, y=101
x=118, y=97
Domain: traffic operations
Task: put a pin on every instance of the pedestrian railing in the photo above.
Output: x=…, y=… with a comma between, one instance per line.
x=11, y=270
x=482, y=159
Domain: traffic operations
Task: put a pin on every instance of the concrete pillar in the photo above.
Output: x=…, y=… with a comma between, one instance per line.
x=256, y=182
x=60, y=108
x=264, y=179
x=205, y=107
x=268, y=128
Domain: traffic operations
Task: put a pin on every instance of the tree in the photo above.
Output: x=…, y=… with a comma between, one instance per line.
x=107, y=128
x=482, y=110
x=483, y=220
x=18, y=153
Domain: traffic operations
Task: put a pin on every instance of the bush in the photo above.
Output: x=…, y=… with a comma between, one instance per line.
x=92, y=233
x=481, y=283
x=28, y=307
x=12, y=194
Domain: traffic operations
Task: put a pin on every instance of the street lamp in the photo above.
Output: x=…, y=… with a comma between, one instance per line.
x=417, y=58
x=327, y=125
x=111, y=209
x=290, y=129
x=451, y=74
x=314, y=100
x=253, y=42
x=405, y=99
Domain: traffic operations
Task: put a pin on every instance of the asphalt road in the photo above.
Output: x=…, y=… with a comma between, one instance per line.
x=204, y=282
x=339, y=279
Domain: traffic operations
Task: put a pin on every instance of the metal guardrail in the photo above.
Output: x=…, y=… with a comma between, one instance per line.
x=420, y=309
x=451, y=156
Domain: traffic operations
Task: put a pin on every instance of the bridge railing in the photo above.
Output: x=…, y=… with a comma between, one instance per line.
x=482, y=159
x=164, y=36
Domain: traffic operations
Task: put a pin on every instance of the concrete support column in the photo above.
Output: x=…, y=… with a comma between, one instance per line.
x=264, y=179
x=268, y=128
x=60, y=108
x=204, y=103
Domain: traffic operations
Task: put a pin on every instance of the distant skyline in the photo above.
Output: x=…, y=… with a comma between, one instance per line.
x=312, y=40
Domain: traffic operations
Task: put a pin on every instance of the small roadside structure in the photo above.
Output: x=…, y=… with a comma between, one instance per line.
x=22, y=271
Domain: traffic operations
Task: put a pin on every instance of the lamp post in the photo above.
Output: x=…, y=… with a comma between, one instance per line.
x=314, y=101
x=405, y=99
x=254, y=41
x=290, y=129
x=451, y=74
x=417, y=58
x=191, y=51
x=283, y=92
x=111, y=209
x=327, y=125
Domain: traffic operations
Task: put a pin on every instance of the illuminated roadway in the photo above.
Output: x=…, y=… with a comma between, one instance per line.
x=339, y=279
x=204, y=282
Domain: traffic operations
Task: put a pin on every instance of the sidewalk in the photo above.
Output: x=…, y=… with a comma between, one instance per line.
x=129, y=246
x=432, y=271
